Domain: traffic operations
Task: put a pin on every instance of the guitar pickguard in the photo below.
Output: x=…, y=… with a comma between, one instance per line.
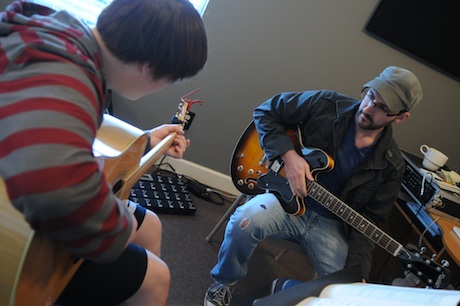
x=280, y=185
x=317, y=159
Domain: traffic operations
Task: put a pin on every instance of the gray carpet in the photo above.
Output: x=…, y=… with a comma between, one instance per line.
x=190, y=258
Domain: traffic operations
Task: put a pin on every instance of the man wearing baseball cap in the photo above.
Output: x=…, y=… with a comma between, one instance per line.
x=398, y=87
x=367, y=174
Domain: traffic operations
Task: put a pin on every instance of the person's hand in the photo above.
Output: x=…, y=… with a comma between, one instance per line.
x=297, y=172
x=180, y=143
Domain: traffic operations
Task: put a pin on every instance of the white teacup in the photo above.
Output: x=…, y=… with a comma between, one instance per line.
x=434, y=159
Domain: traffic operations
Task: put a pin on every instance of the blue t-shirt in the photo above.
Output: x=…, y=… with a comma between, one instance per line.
x=348, y=158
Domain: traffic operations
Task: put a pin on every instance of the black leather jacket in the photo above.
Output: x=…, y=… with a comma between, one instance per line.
x=323, y=117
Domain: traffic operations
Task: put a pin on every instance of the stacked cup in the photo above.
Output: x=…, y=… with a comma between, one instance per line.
x=433, y=159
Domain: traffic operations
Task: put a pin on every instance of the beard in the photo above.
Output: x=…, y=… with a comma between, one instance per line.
x=366, y=122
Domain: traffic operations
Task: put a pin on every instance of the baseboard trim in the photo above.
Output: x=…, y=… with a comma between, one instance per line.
x=204, y=175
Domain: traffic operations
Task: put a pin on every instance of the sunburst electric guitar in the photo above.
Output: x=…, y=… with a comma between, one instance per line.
x=252, y=174
x=34, y=271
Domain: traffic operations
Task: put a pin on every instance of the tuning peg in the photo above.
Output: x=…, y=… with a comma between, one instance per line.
x=428, y=281
x=409, y=269
x=422, y=250
x=445, y=263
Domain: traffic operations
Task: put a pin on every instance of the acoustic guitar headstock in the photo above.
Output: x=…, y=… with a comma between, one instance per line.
x=184, y=116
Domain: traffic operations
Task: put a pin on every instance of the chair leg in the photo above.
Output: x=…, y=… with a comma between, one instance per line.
x=225, y=217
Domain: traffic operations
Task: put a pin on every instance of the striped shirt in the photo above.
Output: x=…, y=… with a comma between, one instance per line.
x=52, y=97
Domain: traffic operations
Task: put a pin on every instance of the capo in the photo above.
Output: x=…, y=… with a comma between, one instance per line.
x=189, y=102
x=185, y=116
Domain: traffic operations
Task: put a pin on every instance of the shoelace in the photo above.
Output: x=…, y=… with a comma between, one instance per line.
x=222, y=293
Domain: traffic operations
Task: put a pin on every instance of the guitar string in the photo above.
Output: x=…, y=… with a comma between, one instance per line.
x=382, y=239
x=326, y=195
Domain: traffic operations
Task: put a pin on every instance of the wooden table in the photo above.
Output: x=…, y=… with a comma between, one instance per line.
x=450, y=240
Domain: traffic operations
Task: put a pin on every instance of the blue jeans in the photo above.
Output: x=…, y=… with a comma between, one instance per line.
x=323, y=239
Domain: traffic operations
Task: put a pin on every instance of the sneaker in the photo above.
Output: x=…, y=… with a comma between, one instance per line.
x=279, y=284
x=218, y=295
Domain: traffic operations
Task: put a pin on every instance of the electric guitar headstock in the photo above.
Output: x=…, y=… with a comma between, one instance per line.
x=184, y=116
x=432, y=274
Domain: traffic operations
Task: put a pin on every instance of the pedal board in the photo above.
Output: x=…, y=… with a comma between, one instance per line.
x=163, y=194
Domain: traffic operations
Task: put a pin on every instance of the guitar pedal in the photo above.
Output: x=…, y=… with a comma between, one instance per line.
x=163, y=194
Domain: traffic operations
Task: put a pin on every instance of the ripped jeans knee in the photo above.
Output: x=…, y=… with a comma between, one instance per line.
x=244, y=223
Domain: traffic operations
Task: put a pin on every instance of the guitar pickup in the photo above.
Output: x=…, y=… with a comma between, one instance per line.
x=276, y=165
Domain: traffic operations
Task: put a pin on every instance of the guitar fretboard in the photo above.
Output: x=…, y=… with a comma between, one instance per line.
x=353, y=218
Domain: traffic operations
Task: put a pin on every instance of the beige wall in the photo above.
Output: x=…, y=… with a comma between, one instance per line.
x=258, y=48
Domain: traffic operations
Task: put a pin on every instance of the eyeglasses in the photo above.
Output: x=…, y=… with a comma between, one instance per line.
x=370, y=94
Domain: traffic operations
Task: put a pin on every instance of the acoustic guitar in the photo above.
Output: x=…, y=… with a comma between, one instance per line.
x=253, y=174
x=34, y=271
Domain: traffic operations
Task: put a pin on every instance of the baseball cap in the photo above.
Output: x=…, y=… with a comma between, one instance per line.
x=399, y=88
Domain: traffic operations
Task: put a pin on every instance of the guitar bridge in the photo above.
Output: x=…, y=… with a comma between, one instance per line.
x=263, y=160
